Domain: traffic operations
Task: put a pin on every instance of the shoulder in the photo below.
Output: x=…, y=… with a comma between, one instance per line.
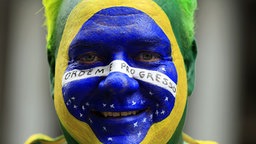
x=44, y=139
x=189, y=140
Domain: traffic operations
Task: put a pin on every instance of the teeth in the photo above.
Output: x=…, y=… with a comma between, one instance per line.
x=124, y=113
x=118, y=114
x=109, y=113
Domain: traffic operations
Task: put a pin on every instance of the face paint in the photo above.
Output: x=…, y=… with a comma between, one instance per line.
x=120, y=78
x=120, y=75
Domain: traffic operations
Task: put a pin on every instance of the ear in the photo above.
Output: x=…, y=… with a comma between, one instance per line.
x=190, y=59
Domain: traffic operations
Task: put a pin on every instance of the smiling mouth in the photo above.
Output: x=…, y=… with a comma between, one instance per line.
x=119, y=114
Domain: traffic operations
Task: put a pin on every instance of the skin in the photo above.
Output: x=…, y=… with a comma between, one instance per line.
x=119, y=61
x=119, y=106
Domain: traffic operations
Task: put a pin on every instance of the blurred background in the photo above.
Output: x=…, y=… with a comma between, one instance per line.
x=222, y=107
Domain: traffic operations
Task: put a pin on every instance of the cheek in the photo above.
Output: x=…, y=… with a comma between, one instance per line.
x=77, y=96
x=171, y=72
x=78, y=86
x=79, y=91
x=161, y=97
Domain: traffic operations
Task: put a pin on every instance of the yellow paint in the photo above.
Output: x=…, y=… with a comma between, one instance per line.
x=44, y=139
x=160, y=132
x=190, y=140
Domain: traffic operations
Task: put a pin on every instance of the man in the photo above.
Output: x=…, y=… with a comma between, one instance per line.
x=121, y=70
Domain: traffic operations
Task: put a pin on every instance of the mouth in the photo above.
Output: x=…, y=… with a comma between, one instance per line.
x=125, y=125
x=119, y=114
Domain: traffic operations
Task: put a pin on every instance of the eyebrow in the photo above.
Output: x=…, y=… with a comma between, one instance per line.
x=78, y=44
x=81, y=46
x=145, y=42
x=84, y=43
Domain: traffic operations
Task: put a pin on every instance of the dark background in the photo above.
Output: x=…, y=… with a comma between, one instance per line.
x=247, y=66
x=248, y=101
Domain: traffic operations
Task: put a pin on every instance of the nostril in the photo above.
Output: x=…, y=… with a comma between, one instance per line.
x=118, y=83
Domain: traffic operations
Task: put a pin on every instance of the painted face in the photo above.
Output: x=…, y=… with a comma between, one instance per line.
x=120, y=78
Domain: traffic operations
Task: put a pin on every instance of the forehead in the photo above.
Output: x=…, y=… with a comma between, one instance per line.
x=120, y=24
x=117, y=16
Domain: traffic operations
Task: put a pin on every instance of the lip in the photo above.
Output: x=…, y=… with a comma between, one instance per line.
x=116, y=127
x=126, y=114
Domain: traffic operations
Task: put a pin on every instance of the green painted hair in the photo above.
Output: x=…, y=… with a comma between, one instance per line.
x=180, y=12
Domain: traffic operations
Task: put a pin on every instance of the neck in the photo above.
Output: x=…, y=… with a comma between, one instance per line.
x=176, y=139
x=180, y=140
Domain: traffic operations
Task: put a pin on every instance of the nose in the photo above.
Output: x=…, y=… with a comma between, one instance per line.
x=117, y=83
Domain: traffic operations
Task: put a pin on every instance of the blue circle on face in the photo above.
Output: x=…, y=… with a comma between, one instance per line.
x=118, y=107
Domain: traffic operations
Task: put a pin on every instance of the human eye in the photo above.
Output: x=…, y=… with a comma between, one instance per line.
x=148, y=56
x=88, y=58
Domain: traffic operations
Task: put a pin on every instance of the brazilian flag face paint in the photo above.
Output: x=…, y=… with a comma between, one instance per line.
x=120, y=75
x=120, y=79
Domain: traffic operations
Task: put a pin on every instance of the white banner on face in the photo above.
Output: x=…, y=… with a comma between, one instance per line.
x=149, y=76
